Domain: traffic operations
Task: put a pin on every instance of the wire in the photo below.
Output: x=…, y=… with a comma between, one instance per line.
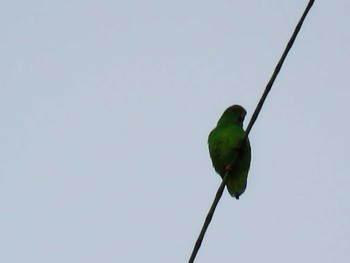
x=249, y=127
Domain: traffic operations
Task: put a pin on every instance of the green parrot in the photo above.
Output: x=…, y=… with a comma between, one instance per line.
x=223, y=141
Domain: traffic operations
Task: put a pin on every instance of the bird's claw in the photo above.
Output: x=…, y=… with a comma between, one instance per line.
x=228, y=168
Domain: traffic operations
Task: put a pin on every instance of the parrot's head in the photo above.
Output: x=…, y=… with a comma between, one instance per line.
x=233, y=115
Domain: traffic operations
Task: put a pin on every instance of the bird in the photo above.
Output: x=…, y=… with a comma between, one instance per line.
x=223, y=142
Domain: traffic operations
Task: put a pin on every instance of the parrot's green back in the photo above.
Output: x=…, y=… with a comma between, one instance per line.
x=223, y=141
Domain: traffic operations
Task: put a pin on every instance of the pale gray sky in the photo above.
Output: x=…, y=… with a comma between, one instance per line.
x=105, y=109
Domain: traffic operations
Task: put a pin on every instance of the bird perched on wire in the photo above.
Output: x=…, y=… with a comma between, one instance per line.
x=226, y=156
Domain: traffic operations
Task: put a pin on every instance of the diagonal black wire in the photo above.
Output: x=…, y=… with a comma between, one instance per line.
x=249, y=127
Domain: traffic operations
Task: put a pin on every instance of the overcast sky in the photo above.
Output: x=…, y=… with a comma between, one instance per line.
x=105, y=109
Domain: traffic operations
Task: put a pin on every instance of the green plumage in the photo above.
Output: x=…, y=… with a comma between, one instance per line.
x=223, y=141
